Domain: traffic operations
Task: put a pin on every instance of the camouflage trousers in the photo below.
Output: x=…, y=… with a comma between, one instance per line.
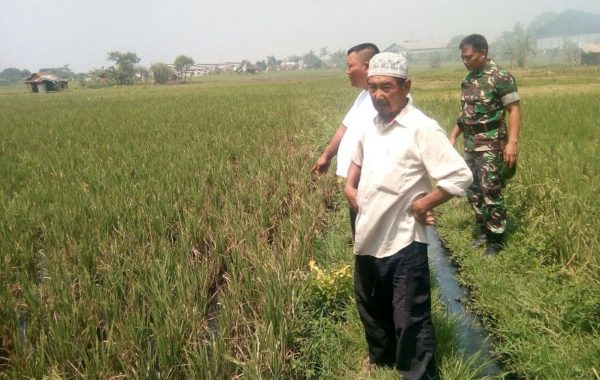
x=485, y=194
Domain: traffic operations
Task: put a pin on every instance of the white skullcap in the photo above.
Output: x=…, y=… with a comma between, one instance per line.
x=389, y=65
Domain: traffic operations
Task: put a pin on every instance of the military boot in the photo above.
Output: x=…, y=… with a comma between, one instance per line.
x=495, y=244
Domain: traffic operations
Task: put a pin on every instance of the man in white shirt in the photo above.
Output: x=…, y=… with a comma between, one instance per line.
x=389, y=186
x=360, y=115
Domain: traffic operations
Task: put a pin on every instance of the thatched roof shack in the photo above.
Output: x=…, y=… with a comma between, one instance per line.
x=42, y=82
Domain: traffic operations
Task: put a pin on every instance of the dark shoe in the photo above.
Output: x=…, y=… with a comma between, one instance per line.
x=479, y=241
x=493, y=249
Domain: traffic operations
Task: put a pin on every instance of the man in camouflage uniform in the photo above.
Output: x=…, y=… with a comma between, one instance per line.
x=491, y=148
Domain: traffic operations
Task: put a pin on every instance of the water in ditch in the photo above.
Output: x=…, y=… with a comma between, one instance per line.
x=473, y=340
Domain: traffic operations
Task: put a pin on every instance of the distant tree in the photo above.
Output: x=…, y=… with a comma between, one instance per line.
x=516, y=45
x=112, y=76
x=455, y=41
x=312, y=61
x=272, y=62
x=435, y=60
x=182, y=64
x=247, y=67
x=294, y=58
x=81, y=77
x=100, y=77
x=502, y=46
x=261, y=65
x=99, y=72
x=452, y=54
x=161, y=72
x=337, y=58
x=124, y=71
x=141, y=74
x=520, y=45
x=323, y=53
x=61, y=72
x=12, y=75
x=571, y=51
x=243, y=67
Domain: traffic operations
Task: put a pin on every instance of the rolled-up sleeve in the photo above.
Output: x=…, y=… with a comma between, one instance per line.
x=442, y=162
x=510, y=98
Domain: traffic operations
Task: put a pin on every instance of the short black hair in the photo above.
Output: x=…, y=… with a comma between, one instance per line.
x=366, y=50
x=477, y=41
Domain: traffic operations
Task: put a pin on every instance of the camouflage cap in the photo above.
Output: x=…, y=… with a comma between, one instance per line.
x=389, y=65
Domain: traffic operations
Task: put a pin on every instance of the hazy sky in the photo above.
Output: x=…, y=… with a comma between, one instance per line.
x=43, y=33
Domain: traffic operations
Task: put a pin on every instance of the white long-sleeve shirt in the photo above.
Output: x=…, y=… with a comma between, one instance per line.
x=397, y=161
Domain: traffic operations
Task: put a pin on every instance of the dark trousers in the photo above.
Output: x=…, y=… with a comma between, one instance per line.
x=352, y=221
x=393, y=297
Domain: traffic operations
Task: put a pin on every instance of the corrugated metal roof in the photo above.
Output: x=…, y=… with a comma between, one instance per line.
x=43, y=77
x=416, y=46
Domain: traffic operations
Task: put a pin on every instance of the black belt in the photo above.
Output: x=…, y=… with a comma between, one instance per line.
x=472, y=129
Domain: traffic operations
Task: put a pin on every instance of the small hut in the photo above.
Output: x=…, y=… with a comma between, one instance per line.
x=42, y=82
x=589, y=53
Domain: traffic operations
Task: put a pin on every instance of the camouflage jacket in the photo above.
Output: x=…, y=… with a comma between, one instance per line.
x=485, y=94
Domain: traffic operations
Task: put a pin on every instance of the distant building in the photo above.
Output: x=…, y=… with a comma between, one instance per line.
x=416, y=47
x=589, y=54
x=247, y=67
x=211, y=68
x=42, y=82
x=290, y=66
x=560, y=42
x=568, y=28
x=199, y=69
x=429, y=52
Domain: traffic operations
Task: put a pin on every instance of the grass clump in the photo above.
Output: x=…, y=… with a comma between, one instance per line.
x=325, y=305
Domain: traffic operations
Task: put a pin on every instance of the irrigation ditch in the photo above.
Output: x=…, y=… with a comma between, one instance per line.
x=472, y=337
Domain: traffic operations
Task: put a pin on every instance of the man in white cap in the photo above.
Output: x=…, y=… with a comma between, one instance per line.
x=389, y=186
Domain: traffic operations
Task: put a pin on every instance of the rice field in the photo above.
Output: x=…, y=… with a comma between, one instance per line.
x=166, y=231
x=155, y=231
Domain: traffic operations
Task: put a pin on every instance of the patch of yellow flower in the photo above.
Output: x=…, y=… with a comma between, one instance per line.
x=329, y=277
